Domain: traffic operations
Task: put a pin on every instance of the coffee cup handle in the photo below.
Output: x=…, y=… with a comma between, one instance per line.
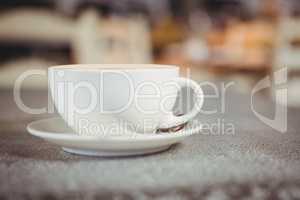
x=173, y=120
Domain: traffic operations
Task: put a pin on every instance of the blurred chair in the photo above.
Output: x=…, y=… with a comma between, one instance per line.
x=89, y=39
x=34, y=25
x=112, y=40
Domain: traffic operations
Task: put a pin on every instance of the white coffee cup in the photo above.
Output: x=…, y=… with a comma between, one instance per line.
x=95, y=98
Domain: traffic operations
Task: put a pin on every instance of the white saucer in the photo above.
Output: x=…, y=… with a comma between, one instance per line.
x=56, y=131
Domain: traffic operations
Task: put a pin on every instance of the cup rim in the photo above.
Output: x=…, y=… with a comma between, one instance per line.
x=99, y=67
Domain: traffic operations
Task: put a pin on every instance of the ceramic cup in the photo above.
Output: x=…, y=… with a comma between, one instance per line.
x=102, y=99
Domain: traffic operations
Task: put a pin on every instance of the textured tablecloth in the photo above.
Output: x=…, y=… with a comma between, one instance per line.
x=256, y=162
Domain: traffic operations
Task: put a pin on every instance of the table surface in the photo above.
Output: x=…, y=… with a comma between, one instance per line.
x=254, y=161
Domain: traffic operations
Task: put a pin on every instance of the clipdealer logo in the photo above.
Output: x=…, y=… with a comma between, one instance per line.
x=278, y=84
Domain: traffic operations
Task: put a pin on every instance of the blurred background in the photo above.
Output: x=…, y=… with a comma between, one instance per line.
x=236, y=40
